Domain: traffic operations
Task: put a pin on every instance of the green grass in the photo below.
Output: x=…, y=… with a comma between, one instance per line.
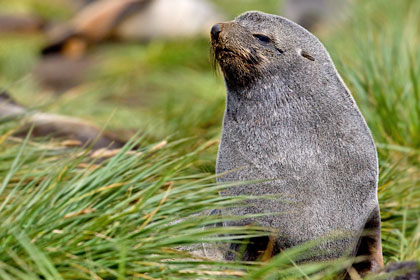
x=121, y=218
x=66, y=216
x=385, y=80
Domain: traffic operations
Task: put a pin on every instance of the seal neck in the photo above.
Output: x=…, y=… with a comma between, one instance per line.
x=270, y=92
x=263, y=103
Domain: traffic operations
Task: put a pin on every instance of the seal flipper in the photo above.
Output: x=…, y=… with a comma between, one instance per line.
x=370, y=245
x=260, y=248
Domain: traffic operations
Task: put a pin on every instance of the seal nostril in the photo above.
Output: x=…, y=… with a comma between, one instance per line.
x=215, y=31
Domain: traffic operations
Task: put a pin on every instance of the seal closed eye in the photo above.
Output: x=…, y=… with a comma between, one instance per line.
x=262, y=38
x=307, y=55
x=291, y=122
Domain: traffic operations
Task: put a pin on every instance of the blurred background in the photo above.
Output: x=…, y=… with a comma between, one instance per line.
x=145, y=67
x=131, y=65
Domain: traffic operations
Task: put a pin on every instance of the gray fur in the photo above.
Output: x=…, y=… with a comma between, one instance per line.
x=291, y=119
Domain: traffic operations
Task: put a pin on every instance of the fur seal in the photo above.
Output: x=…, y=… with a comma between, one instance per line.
x=290, y=120
x=58, y=126
x=131, y=20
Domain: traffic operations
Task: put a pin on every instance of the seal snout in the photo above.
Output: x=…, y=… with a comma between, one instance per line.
x=215, y=31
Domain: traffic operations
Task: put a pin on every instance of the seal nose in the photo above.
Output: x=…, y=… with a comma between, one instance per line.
x=215, y=31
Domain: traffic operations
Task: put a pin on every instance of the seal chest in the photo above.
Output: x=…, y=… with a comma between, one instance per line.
x=291, y=121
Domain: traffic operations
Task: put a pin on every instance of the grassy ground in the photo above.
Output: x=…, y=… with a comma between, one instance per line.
x=67, y=216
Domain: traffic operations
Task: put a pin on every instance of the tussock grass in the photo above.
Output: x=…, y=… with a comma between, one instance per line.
x=385, y=81
x=66, y=215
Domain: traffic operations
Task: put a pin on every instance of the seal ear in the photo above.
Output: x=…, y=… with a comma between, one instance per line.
x=280, y=50
x=307, y=55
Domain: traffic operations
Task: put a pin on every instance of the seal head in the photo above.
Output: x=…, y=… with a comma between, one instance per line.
x=252, y=48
